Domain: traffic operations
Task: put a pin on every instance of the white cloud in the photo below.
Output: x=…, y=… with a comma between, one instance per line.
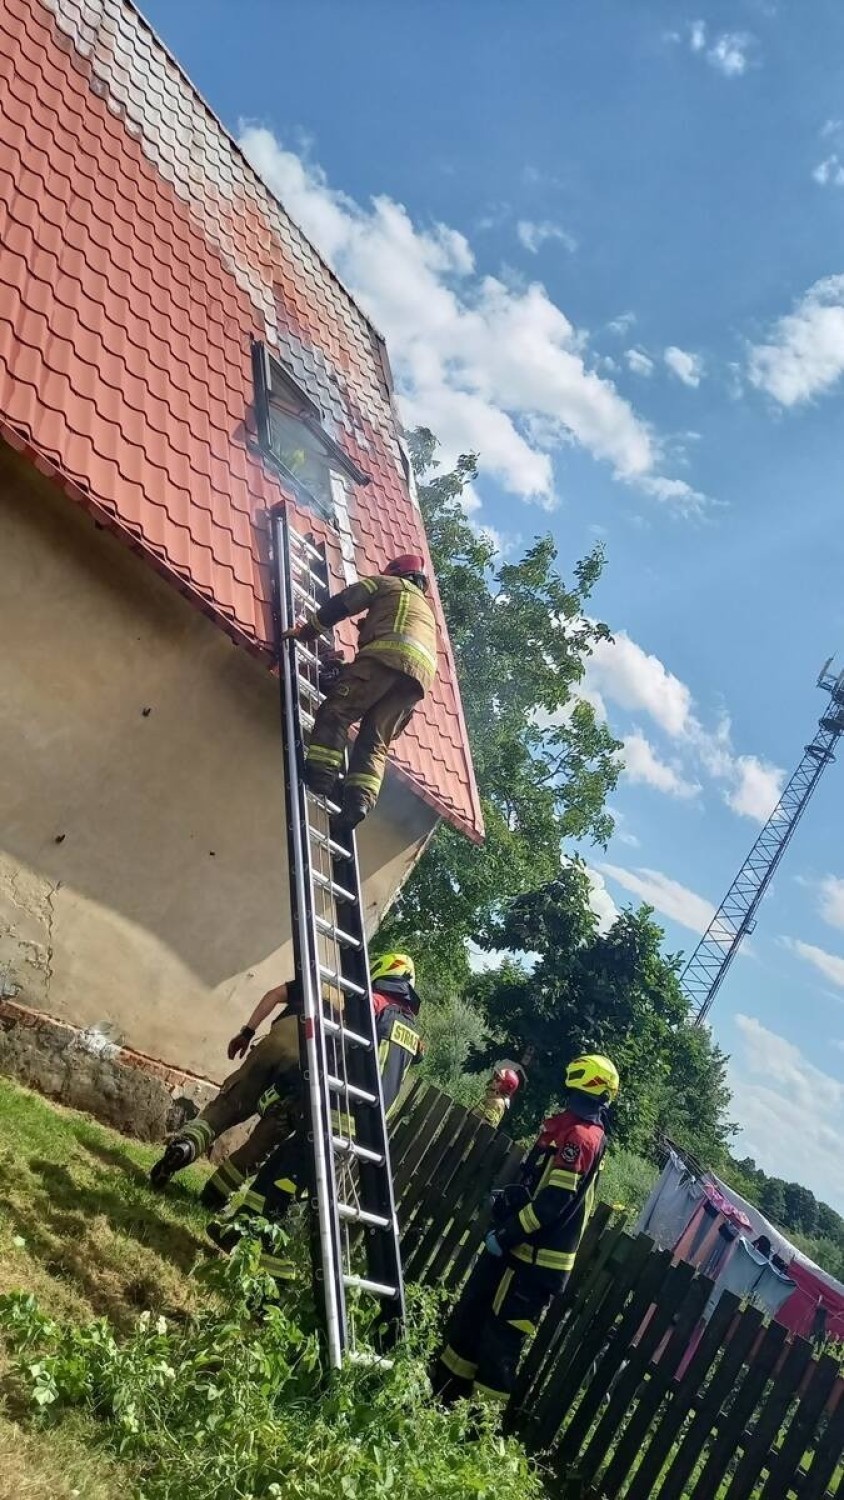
x=534, y=235
x=600, y=900
x=757, y=788
x=804, y=355
x=832, y=900
x=643, y=765
x=621, y=673
x=665, y=895
x=829, y=172
x=676, y=492
x=687, y=367
x=828, y=964
x=790, y=1112
x=622, y=324
x=697, y=36
x=639, y=362
x=486, y=364
x=632, y=678
x=728, y=53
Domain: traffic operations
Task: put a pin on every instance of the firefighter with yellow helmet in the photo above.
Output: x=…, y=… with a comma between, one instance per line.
x=395, y=1004
x=530, y=1252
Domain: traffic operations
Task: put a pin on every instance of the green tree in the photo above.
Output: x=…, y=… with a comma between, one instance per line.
x=772, y=1199
x=830, y=1225
x=521, y=638
x=801, y=1209
x=612, y=992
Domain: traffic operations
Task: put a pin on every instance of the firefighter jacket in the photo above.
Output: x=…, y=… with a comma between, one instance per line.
x=399, y=1042
x=561, y=1177
x=399, y=629
x=493, y=1107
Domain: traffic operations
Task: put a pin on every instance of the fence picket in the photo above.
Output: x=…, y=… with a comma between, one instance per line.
x=771, y=1415
x=577, y=1355
x=682, y=1400
x=829, y=1452
x=786, y=1462
x=430, y=1185
x=653, y=1284
x=747, y=1394
x=495, y=1158
x=657, y=1385
x=740, y=1341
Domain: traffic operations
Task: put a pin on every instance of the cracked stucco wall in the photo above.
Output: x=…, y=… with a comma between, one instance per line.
x=143, y=882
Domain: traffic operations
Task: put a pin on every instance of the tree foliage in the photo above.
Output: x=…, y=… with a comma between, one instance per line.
x=520, y=638
x=814, y=1226
x=612, y=992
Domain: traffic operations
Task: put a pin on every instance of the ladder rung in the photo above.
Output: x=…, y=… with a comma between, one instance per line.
x=306, y=717
x=360, y=1216
x=351, y=1148
x=326, y=802
x=330, y=844
x=307, y=655
x=339, y=1086
x=377, y=1288
x=342, y=983
x=306, y=594
x=339, y=892
x=330, y=929
x=301, y=566
x=333, y=1028
x=307, y=547
x=308, y=689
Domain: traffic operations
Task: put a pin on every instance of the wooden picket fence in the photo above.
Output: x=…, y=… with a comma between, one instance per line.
x=607, y=1394
x=445, y=1163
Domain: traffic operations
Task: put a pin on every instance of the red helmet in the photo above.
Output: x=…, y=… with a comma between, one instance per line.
x=507, y=1081
x=409, y=562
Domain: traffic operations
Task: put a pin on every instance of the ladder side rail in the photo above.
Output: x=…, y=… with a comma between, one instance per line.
x=327, y=1247
x=383, y=1249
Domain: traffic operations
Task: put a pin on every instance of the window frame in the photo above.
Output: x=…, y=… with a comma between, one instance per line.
x=268, y=375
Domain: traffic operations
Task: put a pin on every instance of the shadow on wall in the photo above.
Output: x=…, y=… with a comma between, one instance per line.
x=141, y=789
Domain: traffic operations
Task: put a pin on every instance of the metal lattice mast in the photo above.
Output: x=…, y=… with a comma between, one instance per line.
x=705, y=972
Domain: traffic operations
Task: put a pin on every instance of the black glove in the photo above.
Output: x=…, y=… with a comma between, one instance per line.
x=238, y=1046
x=507, y=1201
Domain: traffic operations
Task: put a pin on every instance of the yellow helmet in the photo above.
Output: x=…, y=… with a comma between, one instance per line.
x=594, y=1075
x=393, y=966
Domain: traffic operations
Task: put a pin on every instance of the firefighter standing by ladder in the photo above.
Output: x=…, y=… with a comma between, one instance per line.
x=394, y=668
x=282, y=1177
x=529, y=1255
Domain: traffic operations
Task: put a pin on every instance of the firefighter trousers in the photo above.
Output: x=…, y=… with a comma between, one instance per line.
x=275, y=1061
x=278, y=1182
x=499, y=1308
x=383, y=700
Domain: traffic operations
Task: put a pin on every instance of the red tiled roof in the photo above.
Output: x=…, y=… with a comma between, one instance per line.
x=139, y=254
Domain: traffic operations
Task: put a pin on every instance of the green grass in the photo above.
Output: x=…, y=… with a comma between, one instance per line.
x=135, y=1364
x=81, y=1229
x=79, y=1224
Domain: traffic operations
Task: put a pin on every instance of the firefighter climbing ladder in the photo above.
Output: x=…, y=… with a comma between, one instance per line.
x=351, y=1190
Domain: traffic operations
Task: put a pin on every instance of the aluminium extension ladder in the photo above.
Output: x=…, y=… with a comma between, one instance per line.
x=350, y=1182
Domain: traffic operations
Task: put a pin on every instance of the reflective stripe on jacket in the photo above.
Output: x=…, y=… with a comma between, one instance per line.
x=399, y=629
x=562, y=1181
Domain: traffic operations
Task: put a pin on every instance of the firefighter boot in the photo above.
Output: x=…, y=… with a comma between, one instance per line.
x=319, y=779
x=353, y=811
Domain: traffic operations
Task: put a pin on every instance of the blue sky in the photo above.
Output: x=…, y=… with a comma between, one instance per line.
x=606, y=250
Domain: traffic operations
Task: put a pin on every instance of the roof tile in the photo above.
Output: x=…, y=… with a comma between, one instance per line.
x=138, y=256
